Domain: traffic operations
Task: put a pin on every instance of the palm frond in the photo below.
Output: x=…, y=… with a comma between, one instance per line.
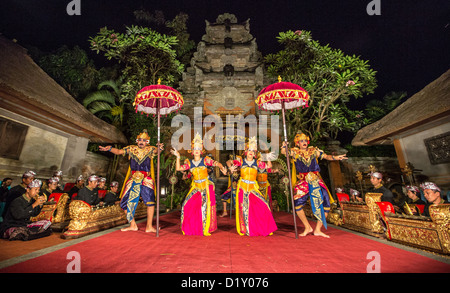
x=100, y=96
x=112, y=84
x=97, y=106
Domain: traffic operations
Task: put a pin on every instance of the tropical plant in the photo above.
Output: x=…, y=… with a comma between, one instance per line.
x=377, y=109
x=70, y=68
x=331, y=79
x=145, y=55
x=107, y=102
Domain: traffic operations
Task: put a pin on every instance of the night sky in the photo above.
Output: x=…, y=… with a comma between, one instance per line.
x=408, y=44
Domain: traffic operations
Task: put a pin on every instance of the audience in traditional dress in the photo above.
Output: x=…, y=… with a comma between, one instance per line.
x=356, y=195
x=101, y=184
x=376, y=178
x=52, y=185
x=79, y=184
x=17, y=224
x=6, y=185
x=89, y=193
x=18, y=190
x=112, y=197
x=433, y=196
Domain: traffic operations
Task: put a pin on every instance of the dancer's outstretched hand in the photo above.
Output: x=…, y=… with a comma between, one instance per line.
x=175, y=153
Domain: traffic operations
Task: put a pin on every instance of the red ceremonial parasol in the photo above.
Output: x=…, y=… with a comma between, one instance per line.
x=282, y=96
x=158, y=99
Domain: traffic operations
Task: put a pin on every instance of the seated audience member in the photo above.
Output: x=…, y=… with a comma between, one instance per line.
x=355, y=195
x=18, y=190
x=101, y=184
x=79, y=184
x=341, y=195
x=376, y=179
x=89, y=194
x=17, y=224
x=413, y=193
x=112, y=197
x=433, y=196
x=6, y=185
x=52, y=185
x=60, y=186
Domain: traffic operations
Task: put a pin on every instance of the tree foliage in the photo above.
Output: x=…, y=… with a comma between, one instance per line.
x=107, y=102
x=145, y=54
x=331, y=78
x=70, y=68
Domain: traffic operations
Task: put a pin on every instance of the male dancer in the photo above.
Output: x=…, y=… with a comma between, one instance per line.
x=306, y=168
x=140, y=183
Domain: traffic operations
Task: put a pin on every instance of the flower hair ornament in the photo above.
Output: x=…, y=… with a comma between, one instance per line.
x=143, y=135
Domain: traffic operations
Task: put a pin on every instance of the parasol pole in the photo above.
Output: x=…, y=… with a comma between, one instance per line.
x=158, y=107
x=231, y=178
x=289, y=167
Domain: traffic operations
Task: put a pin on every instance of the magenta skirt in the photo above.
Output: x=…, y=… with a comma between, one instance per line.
x=253, y=214
x=198, y=212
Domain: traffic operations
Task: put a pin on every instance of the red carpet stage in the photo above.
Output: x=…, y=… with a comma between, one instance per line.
x=227, y=252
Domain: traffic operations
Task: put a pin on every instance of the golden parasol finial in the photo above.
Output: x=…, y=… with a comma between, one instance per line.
x=279, y=78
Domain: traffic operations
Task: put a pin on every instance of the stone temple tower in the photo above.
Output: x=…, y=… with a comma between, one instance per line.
x=225, y=76
x=226, y=73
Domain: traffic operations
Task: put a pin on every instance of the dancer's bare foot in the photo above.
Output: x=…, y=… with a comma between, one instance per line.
x=306, y=232
x=151, y=229
x=131, y=228
x=223, y=214
x=320, y=233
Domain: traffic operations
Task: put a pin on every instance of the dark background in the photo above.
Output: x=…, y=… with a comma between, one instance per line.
x=408, y=44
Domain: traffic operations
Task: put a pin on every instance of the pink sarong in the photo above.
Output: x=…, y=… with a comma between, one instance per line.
x=198, y=213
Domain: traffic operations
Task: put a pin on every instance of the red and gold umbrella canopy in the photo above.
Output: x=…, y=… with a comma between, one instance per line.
x=158, y=100
x=149, y=98
x=275, y=95
x=282, y=96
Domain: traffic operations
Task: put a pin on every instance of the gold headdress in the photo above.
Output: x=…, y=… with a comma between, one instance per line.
x=143, y=135
x=197, y=143
x=252, y=144
x=301, y=136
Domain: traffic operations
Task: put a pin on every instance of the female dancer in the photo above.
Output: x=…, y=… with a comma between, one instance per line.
x=198, y=211
x=253, y=214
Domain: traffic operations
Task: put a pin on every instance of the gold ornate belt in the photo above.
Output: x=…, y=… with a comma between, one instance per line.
x=138, y=175
x=309, y=176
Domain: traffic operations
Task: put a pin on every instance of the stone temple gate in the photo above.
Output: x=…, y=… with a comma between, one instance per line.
x=225, y=74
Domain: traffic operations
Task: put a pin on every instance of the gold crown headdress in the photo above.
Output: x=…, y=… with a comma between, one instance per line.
x=301, y=136
x=252, y=144
x=197, y=143
x=143, y=135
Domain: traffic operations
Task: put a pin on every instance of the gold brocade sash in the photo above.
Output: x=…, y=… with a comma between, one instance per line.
x=246, y=187
x=303, y=176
